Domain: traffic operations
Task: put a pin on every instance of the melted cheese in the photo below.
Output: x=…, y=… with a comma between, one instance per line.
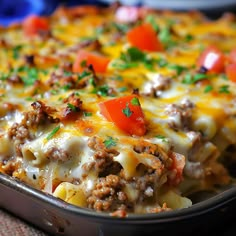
x=200, y=130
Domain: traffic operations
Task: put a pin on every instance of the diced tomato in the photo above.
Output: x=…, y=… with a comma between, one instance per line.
x=126, y=113
x=33, y=24
x=127, y=14
x=231, y=72
x=177, y=168
x=232, y=56
x=212, y=59
x=144, y=38
x=85, y=58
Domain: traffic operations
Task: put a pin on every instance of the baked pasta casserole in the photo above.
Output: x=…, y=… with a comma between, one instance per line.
x=119, y=109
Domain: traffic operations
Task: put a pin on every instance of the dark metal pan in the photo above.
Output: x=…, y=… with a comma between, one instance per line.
x=60, y=218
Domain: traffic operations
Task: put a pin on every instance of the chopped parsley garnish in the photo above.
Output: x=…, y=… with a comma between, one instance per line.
x=116, y=77
x=162, y=137
x=85, y=113
x=133, y=54
x=110, y=142
x=179, y=69
x=3, y=76
x=122, y=89
x=123, y=66
x=208, y=88
x=54, y=91
x=191, y=79
x=29, y=99
x=120, y=27
x=67, y=73
x=92, y=81
x=199, y=76
x=31, y=75
x=16, y=51
x=166, y=37
x=224, y=89
x=188, y=37
x=84, y=74
x=162, y=62
x=83, y=63
x=72, y=107
x=134, y=101
x=102, y=90
x=66, y=87
x=54, y=131
x=151, y=20
x=224, y=77
x=100, y=30
x=187, y=79
x=131, y=58
x=126, y=111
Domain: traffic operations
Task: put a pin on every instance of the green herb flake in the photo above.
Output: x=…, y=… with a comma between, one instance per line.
x=134, y=101
x=199, y=76
x=165, y=36
x=131, y=58
x=72, y=107
x=16, y=51
x=83, y=63
x=102, y=90
x=126, y=111
x=123, y=65
x=208, y=88
x=66, y=87
x=92, y=82
x=179, y=69
x=151, y=20
x=99, y=31
x=54, y=131
x=224, y=89
x=117, y=77
x=123, y=28
x=29, y=99
x=122, y=89
x=68, y=73
x=84, y=74
x=54, y=91
x=224, y=77
x=162, y=62
x=4, y=76
x=31, y=75
x=162, y=137
x=187, y=79
x=86, y=114
x=110, y=142
x=191, y=79
x=188, y=38
x=133, y=54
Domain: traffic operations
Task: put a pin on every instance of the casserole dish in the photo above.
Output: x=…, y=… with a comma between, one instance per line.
x=212, y=215
x=127, y=128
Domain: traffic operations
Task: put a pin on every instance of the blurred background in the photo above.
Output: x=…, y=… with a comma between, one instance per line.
x=16, y=10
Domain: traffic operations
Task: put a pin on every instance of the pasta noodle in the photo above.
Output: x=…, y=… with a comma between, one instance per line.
x=118, y=114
